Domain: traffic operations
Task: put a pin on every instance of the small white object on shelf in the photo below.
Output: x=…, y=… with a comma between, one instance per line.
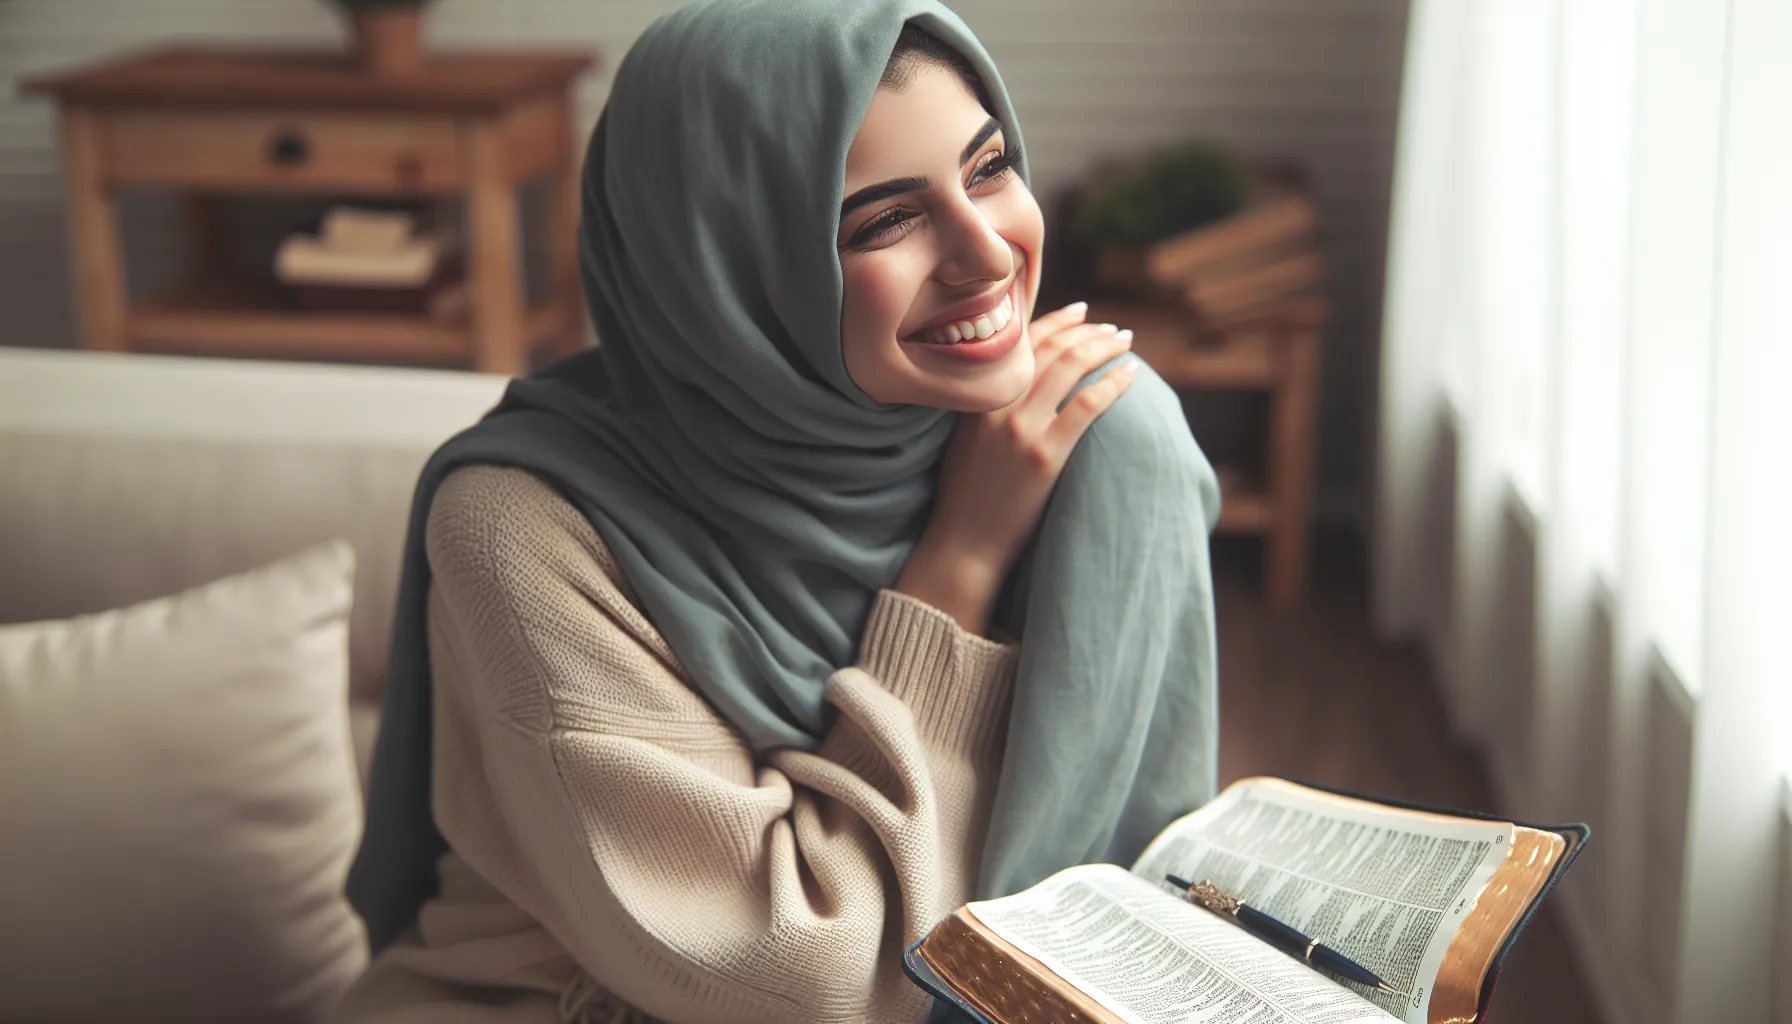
x=352, y=229
x=303, y=259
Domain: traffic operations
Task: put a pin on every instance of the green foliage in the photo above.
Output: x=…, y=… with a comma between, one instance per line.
x=1174, y=190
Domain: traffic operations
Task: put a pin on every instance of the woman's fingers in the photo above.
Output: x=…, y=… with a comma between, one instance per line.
x=1090, y=403
x=1052, y=383
x=1041, y=330
x=1049, y=351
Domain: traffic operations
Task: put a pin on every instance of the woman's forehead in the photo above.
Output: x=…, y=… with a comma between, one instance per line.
x=920, y=128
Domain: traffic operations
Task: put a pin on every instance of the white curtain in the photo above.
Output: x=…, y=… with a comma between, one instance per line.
x=1583, y=508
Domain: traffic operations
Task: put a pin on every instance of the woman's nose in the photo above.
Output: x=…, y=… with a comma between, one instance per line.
x=972, y=251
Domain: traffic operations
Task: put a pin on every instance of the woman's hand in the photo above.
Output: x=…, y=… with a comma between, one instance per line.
x=1000, y=466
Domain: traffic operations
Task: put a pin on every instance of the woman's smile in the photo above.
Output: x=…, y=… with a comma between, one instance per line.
x=939, y=240
x=977, y=331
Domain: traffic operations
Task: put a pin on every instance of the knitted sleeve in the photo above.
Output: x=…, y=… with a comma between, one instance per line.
x=581, y=775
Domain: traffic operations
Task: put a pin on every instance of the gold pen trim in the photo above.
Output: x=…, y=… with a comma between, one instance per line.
x=1208, y=895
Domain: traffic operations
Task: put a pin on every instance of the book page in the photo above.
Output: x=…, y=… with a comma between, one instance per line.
x=1386, y=888
x=1149, y=958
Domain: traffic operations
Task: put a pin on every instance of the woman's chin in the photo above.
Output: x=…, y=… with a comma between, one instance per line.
x=998, y=391
x=968, y=386
x=971, y=406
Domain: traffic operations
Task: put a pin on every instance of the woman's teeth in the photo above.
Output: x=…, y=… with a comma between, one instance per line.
x=977, y=328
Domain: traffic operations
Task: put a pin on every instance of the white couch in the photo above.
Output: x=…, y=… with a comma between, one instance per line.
x=126, y=478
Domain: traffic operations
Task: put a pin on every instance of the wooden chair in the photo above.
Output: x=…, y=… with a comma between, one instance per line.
x=1235, y=305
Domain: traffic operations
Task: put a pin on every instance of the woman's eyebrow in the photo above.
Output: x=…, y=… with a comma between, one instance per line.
x=897, y=186
x=881, y=190
x=990, y=127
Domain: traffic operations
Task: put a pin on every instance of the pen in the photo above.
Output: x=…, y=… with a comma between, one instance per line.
x=1277, y=934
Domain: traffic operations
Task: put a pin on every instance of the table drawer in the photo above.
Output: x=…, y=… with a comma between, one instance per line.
x=299, y=152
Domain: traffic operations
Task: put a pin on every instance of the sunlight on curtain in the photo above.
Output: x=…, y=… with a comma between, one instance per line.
x=1673, y=262
x=1594, y=139
x=1511, y=195
x=1675, y=174
x=1745, y=712
x=1587, y=402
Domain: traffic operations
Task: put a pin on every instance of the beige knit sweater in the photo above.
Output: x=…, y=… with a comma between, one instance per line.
x=618, y=854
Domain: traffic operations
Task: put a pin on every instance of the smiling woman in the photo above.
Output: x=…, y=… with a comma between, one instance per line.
x=831, y=591
x=939, y=241
x=932, y=260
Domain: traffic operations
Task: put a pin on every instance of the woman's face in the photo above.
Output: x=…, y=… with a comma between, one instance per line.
x=937, y=234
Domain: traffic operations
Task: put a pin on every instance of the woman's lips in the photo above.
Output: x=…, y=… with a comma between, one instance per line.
x=984, y=350
x=977, y=327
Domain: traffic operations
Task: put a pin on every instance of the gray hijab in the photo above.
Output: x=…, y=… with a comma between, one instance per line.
x=757, y=500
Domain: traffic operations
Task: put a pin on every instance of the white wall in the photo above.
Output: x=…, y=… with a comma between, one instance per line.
x=1314, y=79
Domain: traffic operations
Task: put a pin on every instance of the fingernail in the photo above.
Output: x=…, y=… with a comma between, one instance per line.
x=1109, y=327
x=1125, y=335
x=1077, y=307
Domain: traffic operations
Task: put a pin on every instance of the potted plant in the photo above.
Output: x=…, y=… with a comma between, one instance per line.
x=1129, y=206
x=388, y=34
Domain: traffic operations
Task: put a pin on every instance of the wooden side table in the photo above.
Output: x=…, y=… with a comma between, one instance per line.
x=1276, y=353
x=210, y=122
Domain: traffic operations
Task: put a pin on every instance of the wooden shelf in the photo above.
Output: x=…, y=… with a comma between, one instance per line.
x=220, y=318
x=1237, y=305
x=207, y=122
x=1245, y=512
x=1245, y=505
x=1168, y=344
x=450, y=82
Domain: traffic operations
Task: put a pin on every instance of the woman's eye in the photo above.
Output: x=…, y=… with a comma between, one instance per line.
x=997, y=166
x=885, y=226
x=897, y=221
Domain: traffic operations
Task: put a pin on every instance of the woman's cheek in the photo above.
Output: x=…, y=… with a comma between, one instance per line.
x=1016, y=216
x=870, y=317
x=886, y=288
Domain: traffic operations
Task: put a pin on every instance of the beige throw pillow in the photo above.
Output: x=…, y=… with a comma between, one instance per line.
x=179, y=805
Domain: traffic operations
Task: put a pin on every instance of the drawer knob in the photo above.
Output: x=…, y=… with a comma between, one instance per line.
x=288, y=148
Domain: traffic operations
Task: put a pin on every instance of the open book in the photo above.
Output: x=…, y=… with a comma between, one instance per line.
x=1430, y=900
